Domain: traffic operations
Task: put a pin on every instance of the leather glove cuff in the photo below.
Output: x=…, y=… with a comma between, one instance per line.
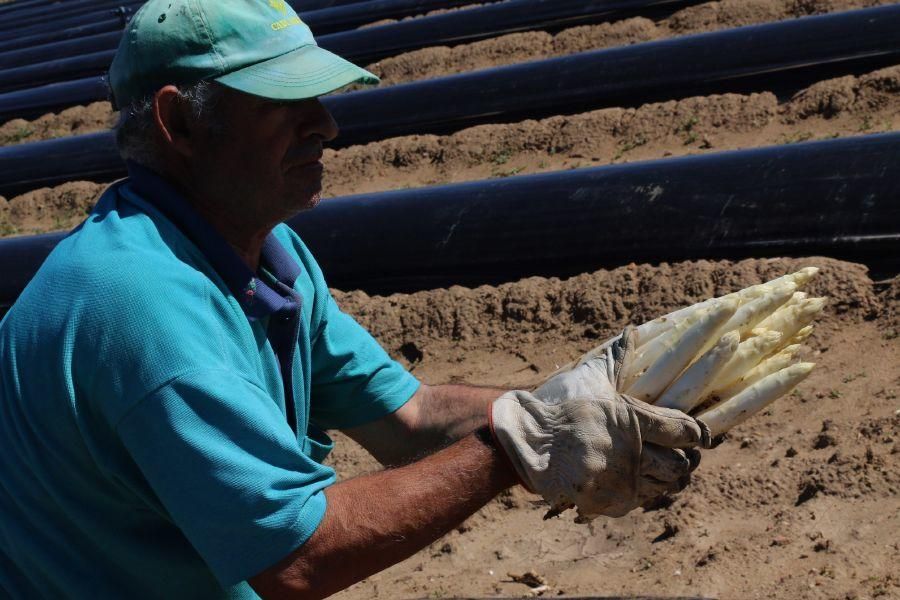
x=503, y=453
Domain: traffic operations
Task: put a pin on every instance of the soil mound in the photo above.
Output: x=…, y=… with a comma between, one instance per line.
x=575, y=314
x=613, y=135
x=48, y=209
x=76, y=120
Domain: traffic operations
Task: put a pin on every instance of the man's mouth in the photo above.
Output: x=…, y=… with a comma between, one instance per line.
x=310, y=165
x=307, y=160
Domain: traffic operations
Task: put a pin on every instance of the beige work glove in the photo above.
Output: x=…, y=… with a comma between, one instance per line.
x=577, y=442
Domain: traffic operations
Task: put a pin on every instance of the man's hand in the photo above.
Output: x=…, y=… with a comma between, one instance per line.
x=578, y=442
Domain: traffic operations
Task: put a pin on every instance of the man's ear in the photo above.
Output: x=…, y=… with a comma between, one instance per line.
x=173, y=123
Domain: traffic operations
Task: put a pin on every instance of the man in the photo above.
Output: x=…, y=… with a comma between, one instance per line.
x=169, y=374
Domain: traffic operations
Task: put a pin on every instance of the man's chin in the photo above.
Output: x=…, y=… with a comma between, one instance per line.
x=314, y=200
x=302, y=202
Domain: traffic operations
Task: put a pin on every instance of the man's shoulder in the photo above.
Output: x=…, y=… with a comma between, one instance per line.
x=294, y=245
x=122, y=258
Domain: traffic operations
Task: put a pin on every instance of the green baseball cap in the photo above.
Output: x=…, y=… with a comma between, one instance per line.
x=260, y=47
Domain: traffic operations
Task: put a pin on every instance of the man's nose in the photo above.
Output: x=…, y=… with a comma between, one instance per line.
x=318, y=121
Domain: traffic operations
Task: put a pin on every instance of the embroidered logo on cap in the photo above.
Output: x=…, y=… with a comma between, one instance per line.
x=282, y=7
x=279, y=5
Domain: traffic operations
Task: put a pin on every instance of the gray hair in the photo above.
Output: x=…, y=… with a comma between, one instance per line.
x=135, y=129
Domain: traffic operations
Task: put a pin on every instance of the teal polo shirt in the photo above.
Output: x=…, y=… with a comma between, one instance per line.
x=163, y=409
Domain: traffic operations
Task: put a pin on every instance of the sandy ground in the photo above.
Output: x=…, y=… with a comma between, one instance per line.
x=802, y=501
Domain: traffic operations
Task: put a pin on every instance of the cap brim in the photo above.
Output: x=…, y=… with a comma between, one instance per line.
x=306, y=72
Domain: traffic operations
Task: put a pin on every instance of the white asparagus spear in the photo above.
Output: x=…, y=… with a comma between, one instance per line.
x=664, y=324
x=648, y=353
x=773, y=364
x=800, y=278
x=796, y=298
x=802, y=335
x=653, y=329
x=790, y=320
x=795, y=340
x=791, y=349
x=681, y=352
x=658, y=326
x=684, y=393
x=753, y=311
x=748, y=354
x=741, y=407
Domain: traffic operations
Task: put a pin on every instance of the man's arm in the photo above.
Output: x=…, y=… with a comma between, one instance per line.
x=377, y=520
x=433, y=418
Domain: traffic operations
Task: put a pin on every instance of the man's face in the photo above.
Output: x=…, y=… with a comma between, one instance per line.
x=261, y=159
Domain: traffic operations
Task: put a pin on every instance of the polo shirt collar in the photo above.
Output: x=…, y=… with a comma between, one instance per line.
x=256, y=298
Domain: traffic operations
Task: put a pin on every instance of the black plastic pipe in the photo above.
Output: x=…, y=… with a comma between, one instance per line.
x=29, y=55
x=53, y=97
x=55, y=71
x=319, y=4
x=14, y=6
x=10, y=9
x=13, y=43
x=120, y=14
x=368, y=45
x=22, y=8
x=781, y=57
x=351, y=16
x=835, y=198
x=66, y=15
x=93, y=157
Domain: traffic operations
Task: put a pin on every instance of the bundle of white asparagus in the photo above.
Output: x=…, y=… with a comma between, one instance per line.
x=725, y=359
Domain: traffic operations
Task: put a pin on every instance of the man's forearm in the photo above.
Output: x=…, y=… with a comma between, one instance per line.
x=434, y=417
x=377, y=520
x=450, y=412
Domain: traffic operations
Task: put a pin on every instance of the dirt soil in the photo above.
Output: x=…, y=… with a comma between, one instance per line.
x=802, y=501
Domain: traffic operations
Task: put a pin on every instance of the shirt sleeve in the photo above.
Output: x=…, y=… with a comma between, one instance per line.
x=354, y=381
x=225, y=465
